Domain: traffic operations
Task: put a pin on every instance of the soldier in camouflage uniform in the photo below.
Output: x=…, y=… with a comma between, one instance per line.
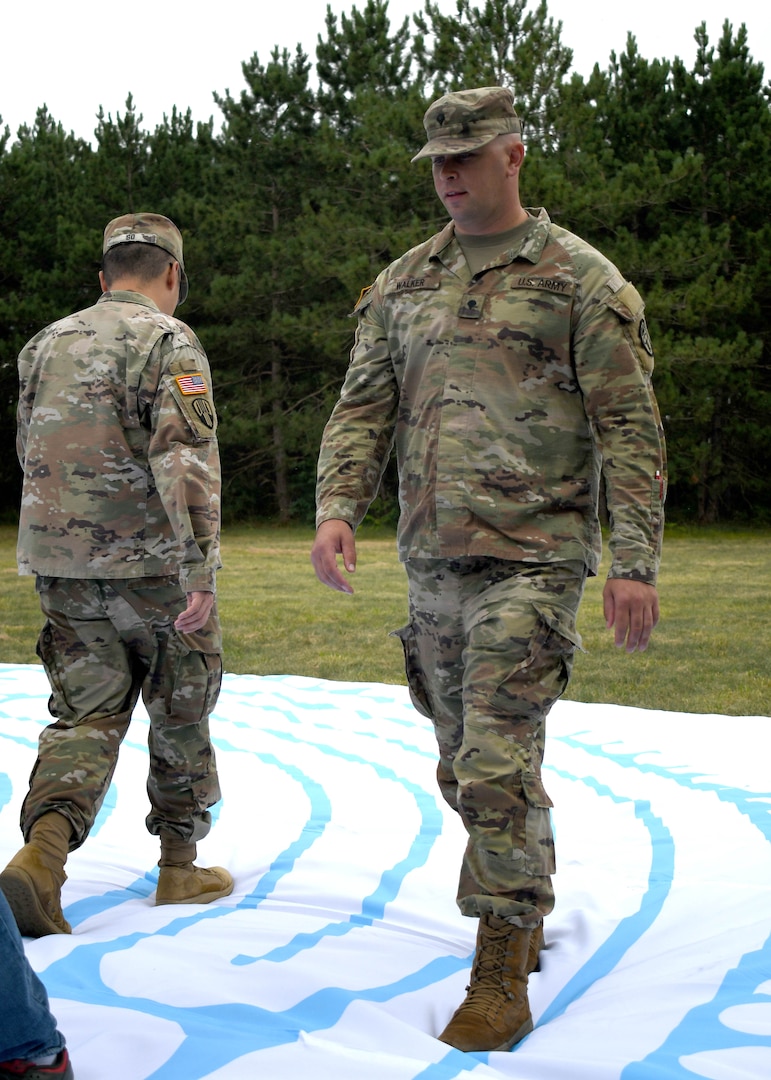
x=510, y=365
x=120, y=521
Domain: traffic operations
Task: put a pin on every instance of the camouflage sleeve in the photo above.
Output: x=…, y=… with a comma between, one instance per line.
x=22, y=423
x=614, y=362
x=358, y=437
x=28, y=380
x=183, y=455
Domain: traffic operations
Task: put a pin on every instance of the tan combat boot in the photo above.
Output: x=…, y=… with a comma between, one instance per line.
x=192, y=884
x=32, y=881
x=534, y=949
x=180, y=882
x=495, y=1013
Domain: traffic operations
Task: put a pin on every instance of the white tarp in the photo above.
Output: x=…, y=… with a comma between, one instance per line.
x=341, y=954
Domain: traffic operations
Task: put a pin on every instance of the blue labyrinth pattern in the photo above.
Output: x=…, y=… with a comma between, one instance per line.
x=341, y=953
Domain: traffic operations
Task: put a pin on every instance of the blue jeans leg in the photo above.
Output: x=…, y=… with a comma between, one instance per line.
x=27, y=1027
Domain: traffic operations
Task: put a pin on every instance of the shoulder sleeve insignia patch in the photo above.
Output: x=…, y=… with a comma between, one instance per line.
x=645, y=337
x=192, y=383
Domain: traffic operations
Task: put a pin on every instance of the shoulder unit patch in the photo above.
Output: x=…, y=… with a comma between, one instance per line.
x=192, y=383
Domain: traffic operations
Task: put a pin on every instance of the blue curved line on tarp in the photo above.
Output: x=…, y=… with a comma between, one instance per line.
x=440, y=1069
x=334, y=1000
x=22, y=740
x=367, y=733
x=249, y=1028
x=631, y=928
x=431, y=824
x=750, y=803
x=256, y=698
x=302, y=694
x=701, y=1029
x=627, y=933
x=263, y=1028
x=6, y=784
x=431, y=820
x=365, y=690
x=81, y=910
x=373, y=905
x=111, y=797
x=607, y=956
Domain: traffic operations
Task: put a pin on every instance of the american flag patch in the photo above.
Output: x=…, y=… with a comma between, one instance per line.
x=192, y=384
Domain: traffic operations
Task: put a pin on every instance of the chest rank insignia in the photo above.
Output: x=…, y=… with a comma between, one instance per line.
x=192, y=384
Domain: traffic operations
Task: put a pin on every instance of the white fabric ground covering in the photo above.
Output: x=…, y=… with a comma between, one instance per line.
x=341, y=953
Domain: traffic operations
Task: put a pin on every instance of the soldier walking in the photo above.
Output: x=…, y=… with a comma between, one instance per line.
x=120, y=524
x=509, y=363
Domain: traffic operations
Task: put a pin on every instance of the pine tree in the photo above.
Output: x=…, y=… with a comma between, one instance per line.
x=499, y=43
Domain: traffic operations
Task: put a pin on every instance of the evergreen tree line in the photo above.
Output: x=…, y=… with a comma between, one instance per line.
x=307, y=191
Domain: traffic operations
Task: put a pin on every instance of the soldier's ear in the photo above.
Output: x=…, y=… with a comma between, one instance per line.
x=517, y=154
x=174, y=279
x=102, y=282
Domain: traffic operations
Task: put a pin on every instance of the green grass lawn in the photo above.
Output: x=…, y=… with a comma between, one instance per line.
x=709, y=653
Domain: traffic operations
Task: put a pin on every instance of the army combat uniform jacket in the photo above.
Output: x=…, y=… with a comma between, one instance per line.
x=119, y=449
x=509, y=395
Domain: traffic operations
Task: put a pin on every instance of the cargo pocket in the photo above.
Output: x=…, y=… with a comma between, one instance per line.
x=413, y=670
x=539, y=839
x=58, y=703
x=562, y=639
x=542, y=675
x=194, y=679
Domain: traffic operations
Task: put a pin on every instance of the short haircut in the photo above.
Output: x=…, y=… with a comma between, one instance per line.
x=145, y=262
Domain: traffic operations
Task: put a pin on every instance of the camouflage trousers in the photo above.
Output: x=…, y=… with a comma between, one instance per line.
x=104, y=643
x=488, y=650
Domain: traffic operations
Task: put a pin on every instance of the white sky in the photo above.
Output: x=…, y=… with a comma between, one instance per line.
x=76, y=56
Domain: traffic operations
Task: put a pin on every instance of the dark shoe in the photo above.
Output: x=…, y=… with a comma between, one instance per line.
x=27, y=1070
x=32, y=887
x=495, y=1013
x=192, y=884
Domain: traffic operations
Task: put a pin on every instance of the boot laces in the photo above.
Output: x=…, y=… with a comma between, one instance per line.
x=488, y=984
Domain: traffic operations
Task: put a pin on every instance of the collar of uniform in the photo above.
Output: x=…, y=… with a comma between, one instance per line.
x=441, y=240
x=535, y=241
x=530, y=248
x=128, y=297
x=444, y=248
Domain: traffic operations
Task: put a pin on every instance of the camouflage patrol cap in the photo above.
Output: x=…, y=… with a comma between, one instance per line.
x=148, y=229
x=468, y=119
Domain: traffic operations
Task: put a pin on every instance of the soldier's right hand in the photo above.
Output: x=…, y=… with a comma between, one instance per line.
x=196, y=614
x=333, y=538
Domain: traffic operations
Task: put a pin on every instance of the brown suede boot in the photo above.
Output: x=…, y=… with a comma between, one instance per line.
x=32, y=881
x=192, y=884
x=495, y=1013
x=534, y=949
x=180, y=882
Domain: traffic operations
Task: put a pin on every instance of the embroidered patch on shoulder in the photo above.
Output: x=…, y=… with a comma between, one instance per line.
x=192, y=384
x=204, y=412
x=645, y=337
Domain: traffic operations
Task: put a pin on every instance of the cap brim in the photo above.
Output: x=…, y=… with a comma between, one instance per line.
x=446, y=145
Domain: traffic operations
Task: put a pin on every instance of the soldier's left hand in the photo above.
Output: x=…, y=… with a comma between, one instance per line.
x=195, y=615
x=632, y=608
